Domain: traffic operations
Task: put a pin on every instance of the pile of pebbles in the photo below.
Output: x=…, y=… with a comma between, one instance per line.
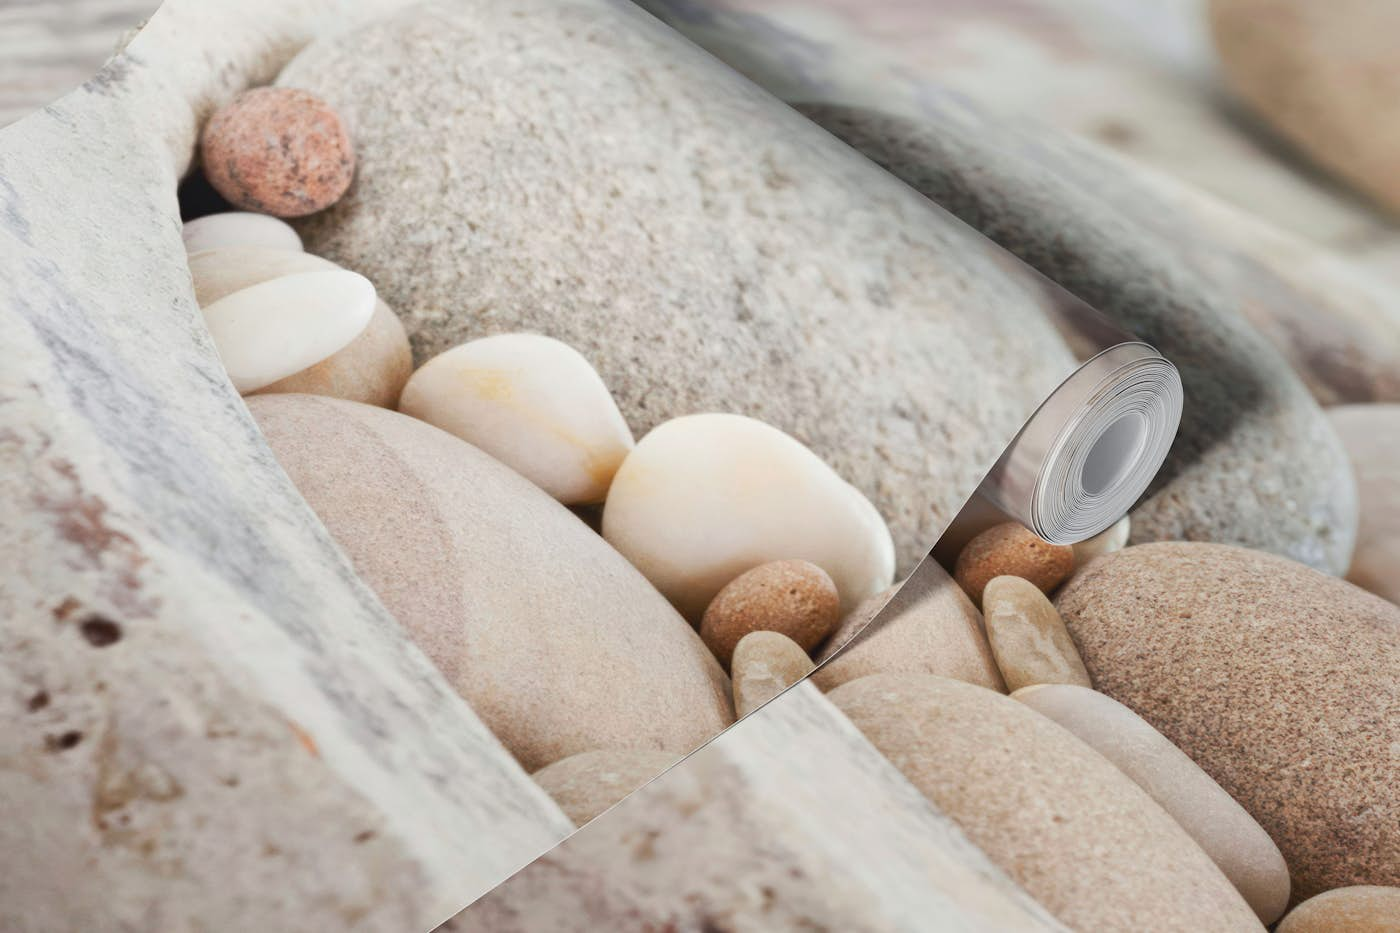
x=776, y=562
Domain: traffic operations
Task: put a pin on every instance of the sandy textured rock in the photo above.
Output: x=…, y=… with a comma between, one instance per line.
x=1281, y=683
x=279, y=151
x=794, y=598
x=1011, y=548
x=372, y=368
x=705, y=498
x=788, y=821
x=1115, y=242
x=1324, y=77
x=1082, y=838
x=1027, y=636
x=1371, y=434
x=586, y=784
x=534, y=404
x=1220, y=826
x=701, y=246
x=929, y=627
x=765, y=664
x=206, y=721
x=558, y=644
x=239, y=228
x=1357, y=909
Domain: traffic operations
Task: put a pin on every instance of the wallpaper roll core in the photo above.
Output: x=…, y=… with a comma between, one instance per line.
x=1091, y=449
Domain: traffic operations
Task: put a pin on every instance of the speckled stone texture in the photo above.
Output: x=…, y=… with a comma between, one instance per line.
x=1358, y=909
x=586, y=784
x=559, y=644
x=572, y=167
x=926, y=625
x=206, y=720
x=789, y=821
x=1283, y=684
x=1084, y=221
x=1073, y=830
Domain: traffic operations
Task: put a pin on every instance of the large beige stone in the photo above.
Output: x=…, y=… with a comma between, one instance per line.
x=1220, y=826
x=1371, y=435
x=572, y=168
x=926, y=625
x=1079, y=835
x=558, y=643
x=1324, y=76
x=1282, y=683
x=791, y=820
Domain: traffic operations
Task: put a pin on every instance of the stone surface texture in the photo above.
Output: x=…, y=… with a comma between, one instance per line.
x=1027, y=636
x=1356, y=909
x=208, y=721
x=568, y=167
x=791, y=820
x=1220, y=826
x=792, y=597
x=1082, y=838
x=765, y=664
x=1011, y=549
x=927, y=626
x=586, y=784
x=1282, y=683
x=558, y=643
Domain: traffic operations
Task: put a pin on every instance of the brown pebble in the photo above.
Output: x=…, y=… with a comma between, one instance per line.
x=1362, y=908
x=278, y=151
x=1011, y=550
x=1028, y=638
x=795, y=598
x=765, y=664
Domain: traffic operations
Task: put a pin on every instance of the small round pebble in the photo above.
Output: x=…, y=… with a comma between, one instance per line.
x=1010, y=549
x=278, y=151
x=764, y=665
x=795, y=598
x=1362, y=908
x=239, y=228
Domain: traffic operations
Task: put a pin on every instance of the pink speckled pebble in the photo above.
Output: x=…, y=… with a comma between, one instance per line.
x=278, y=151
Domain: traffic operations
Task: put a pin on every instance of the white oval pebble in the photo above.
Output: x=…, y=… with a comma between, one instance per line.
x=239, y=228
x=533, y=403
x=704, y=498
x=271, y=330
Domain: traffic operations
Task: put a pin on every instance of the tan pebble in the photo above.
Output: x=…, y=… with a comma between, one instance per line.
x=1113, y=538
x=1028, y=638
x=1362, y=908
x=764, y=665
x=278, y=151
x=586, y=784
x=793, y=597
x=926, y=626
x=1074, y=831
x=1011, y=549
x=1229, y=835
x=371, y=369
